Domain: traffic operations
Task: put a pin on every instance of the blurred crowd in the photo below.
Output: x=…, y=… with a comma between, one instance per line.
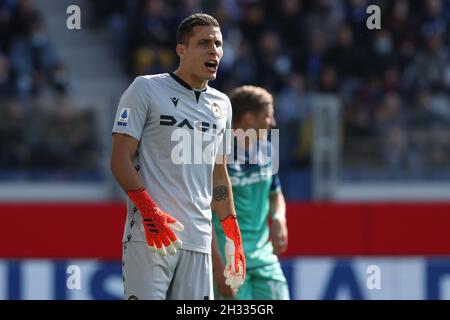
x=41, y=134
x=56, y=142
x=392, y=83
x=28, y=59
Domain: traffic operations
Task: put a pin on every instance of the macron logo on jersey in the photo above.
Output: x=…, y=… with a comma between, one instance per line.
x=123, y=118
x=175, y=101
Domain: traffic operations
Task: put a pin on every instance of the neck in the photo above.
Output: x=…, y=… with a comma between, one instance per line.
x=190, y=79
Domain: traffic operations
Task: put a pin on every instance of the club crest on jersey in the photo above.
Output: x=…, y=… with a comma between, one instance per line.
x=123, y=116
x=217, y=111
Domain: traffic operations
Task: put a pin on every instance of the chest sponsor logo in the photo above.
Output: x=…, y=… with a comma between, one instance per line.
x=171, y=121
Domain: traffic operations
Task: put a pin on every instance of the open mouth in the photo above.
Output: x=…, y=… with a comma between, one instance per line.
x=211, y=65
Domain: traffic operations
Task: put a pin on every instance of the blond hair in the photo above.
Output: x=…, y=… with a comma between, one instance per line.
x=249, y=99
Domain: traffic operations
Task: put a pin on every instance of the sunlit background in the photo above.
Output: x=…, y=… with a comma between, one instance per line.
x=364, y=119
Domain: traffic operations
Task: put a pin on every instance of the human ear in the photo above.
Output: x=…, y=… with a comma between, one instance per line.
x=180, y=49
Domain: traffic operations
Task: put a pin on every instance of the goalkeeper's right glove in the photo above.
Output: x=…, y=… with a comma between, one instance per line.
x=158, y=225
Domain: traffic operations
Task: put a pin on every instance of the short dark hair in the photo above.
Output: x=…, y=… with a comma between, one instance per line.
x=248, y=99
x=196, y=19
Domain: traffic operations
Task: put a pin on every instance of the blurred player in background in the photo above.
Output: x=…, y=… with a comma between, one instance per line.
x=164, y=196
x=257, y=196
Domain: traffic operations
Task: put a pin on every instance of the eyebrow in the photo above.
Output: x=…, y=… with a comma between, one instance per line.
x=208, y=40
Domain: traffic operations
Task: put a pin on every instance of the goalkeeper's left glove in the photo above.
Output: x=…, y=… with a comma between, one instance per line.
x=234, y=253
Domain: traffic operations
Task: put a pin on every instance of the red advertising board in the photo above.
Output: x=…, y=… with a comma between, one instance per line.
x=315, y=229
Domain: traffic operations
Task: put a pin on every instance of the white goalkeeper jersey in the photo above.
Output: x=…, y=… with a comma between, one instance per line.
x=180, y=133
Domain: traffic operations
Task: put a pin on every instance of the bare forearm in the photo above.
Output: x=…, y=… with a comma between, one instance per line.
x=277, y=205
x=121, y=163
x=126, y=174
x=222, y=193
x=278, y=228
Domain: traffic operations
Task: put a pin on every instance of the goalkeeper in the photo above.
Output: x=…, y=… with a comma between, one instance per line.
x=169, y=202
x=257, y=195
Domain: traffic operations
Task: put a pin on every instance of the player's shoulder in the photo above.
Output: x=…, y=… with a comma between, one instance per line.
x=219, y=95
x=150, y=85
x=152, y=79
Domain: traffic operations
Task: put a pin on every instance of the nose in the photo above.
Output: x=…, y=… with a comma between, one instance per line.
x=214, y=50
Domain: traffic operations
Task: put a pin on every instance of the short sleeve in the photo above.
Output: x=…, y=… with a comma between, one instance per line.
x=275, y=185
x=133, y=109
x=227, y=138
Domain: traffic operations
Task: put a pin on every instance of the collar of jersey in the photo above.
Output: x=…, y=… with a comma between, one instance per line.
x=183, y=83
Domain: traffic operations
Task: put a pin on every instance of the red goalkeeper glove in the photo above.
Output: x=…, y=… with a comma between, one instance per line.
x=158, y=225
x=234, y=253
